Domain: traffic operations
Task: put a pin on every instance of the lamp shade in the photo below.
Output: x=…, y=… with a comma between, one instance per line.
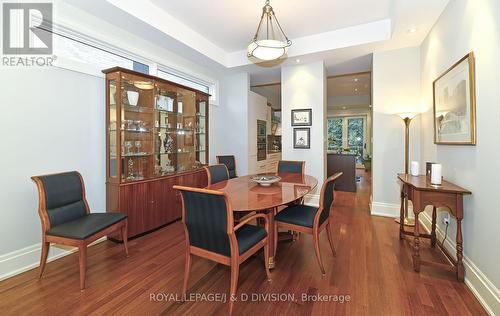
x=409, y=115
x=269, y=41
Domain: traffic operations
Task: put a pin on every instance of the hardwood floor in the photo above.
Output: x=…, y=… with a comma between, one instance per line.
x=372, y=266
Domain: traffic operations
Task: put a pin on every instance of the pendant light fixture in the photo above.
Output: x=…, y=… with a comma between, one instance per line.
x=269, y=41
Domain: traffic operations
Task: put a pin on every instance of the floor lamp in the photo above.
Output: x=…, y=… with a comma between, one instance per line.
x=407, y=117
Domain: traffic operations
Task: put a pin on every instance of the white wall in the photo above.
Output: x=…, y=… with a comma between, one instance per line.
x=470, y=25
x=304, y=87
x=229, y=124
x=257, y=110
x=396, y=88
x=53, y=120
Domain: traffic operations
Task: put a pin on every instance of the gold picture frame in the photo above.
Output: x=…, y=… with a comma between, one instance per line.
x=454, y=112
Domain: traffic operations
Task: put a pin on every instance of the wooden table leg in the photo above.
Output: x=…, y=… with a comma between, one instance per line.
x=271, y=239
x=433, y=230
x=460, y=264
x=416, y=245
x=402, y=214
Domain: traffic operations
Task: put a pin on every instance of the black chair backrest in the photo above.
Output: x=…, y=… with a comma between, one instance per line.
x=230, y=163
x=327, y=194
x=206, y=217
x=287, y=166
x=64, y=197
x=217, y=173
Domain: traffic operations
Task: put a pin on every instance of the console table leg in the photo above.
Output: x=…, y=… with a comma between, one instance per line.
x=460, y=264
x=402, y=214
x=433, y=231
x=416, y=245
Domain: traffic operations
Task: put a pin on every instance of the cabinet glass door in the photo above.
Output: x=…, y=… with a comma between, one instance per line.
x=137, y=116
x=186, y=108
x=112, y=132
x=166, y=119
x=201, y=130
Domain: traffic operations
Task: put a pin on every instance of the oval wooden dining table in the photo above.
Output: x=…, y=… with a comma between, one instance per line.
x=246, y=195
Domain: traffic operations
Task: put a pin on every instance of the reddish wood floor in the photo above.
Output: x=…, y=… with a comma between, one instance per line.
x=372, y=266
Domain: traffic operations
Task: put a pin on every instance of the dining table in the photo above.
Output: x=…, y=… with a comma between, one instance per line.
x=246, y=195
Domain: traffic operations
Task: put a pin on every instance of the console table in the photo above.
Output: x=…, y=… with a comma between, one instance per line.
x=419, y=190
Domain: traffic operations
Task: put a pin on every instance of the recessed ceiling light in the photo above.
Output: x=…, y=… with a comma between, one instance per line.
x=343, y=108
x=297, y=60
x=412, y=30
x=356, y=79
x=356, y=89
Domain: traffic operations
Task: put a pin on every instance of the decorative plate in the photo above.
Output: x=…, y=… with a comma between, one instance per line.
x=265, y=180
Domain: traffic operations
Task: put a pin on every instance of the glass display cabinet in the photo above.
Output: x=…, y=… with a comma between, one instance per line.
x=156, y=131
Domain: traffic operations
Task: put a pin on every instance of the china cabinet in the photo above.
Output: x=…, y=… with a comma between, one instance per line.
x=157, y=136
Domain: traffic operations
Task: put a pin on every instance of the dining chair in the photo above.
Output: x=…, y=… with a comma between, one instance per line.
x=210, y=233
x=216, y=173
x=230, y=163
x=311, y=220
x=66, y=218
x=290, y=166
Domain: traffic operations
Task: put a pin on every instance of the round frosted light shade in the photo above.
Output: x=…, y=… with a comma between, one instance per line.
x=267, y=49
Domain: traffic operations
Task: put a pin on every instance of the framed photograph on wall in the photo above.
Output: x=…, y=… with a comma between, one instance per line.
x=302, y=138
x=302, y=117
x=455, y=104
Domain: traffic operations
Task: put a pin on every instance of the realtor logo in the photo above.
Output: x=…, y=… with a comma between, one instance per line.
x=27, y=28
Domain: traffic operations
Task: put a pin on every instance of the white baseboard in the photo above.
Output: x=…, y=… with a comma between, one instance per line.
x=312, y=200
x=21, y=260
x=384, y=209
x=484, y=290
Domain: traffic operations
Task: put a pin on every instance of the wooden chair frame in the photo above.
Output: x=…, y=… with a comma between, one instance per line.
x=317, y=228
x=235, y=258
x=220, y=163
x=81, y=244
x=209, y=176
x=301, y=161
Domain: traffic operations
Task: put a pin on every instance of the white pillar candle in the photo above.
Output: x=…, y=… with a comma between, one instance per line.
x=415, y=168
x=436, y=170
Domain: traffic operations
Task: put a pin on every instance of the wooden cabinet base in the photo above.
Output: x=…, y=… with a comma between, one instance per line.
x=150, y=204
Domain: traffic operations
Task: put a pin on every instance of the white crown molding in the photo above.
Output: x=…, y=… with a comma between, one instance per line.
x=151, y=14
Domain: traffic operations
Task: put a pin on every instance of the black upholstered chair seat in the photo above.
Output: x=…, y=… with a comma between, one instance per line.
x=86, y=226
x=298, y=214
x=248, y=236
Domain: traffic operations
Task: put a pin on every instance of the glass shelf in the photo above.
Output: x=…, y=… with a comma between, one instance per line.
x=136, y=155
x=136, y=108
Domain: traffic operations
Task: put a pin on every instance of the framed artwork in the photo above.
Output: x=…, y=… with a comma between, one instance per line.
x=302, y=138
x=455, y=104
x=302, y=117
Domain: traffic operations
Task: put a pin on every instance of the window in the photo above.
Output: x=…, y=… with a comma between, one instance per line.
x=335, y=134
x=183, y=80
x=88, y=54
x=190, y=81
x=347, y=134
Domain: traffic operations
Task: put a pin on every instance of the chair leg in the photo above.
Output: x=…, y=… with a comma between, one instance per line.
x=266, y=260
x=276, y=235
x=124, y=230
x=82, y=253
x=235, y=270
x=330, y=238
x=43, y=257
x=317, y=250
x=187, y=269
